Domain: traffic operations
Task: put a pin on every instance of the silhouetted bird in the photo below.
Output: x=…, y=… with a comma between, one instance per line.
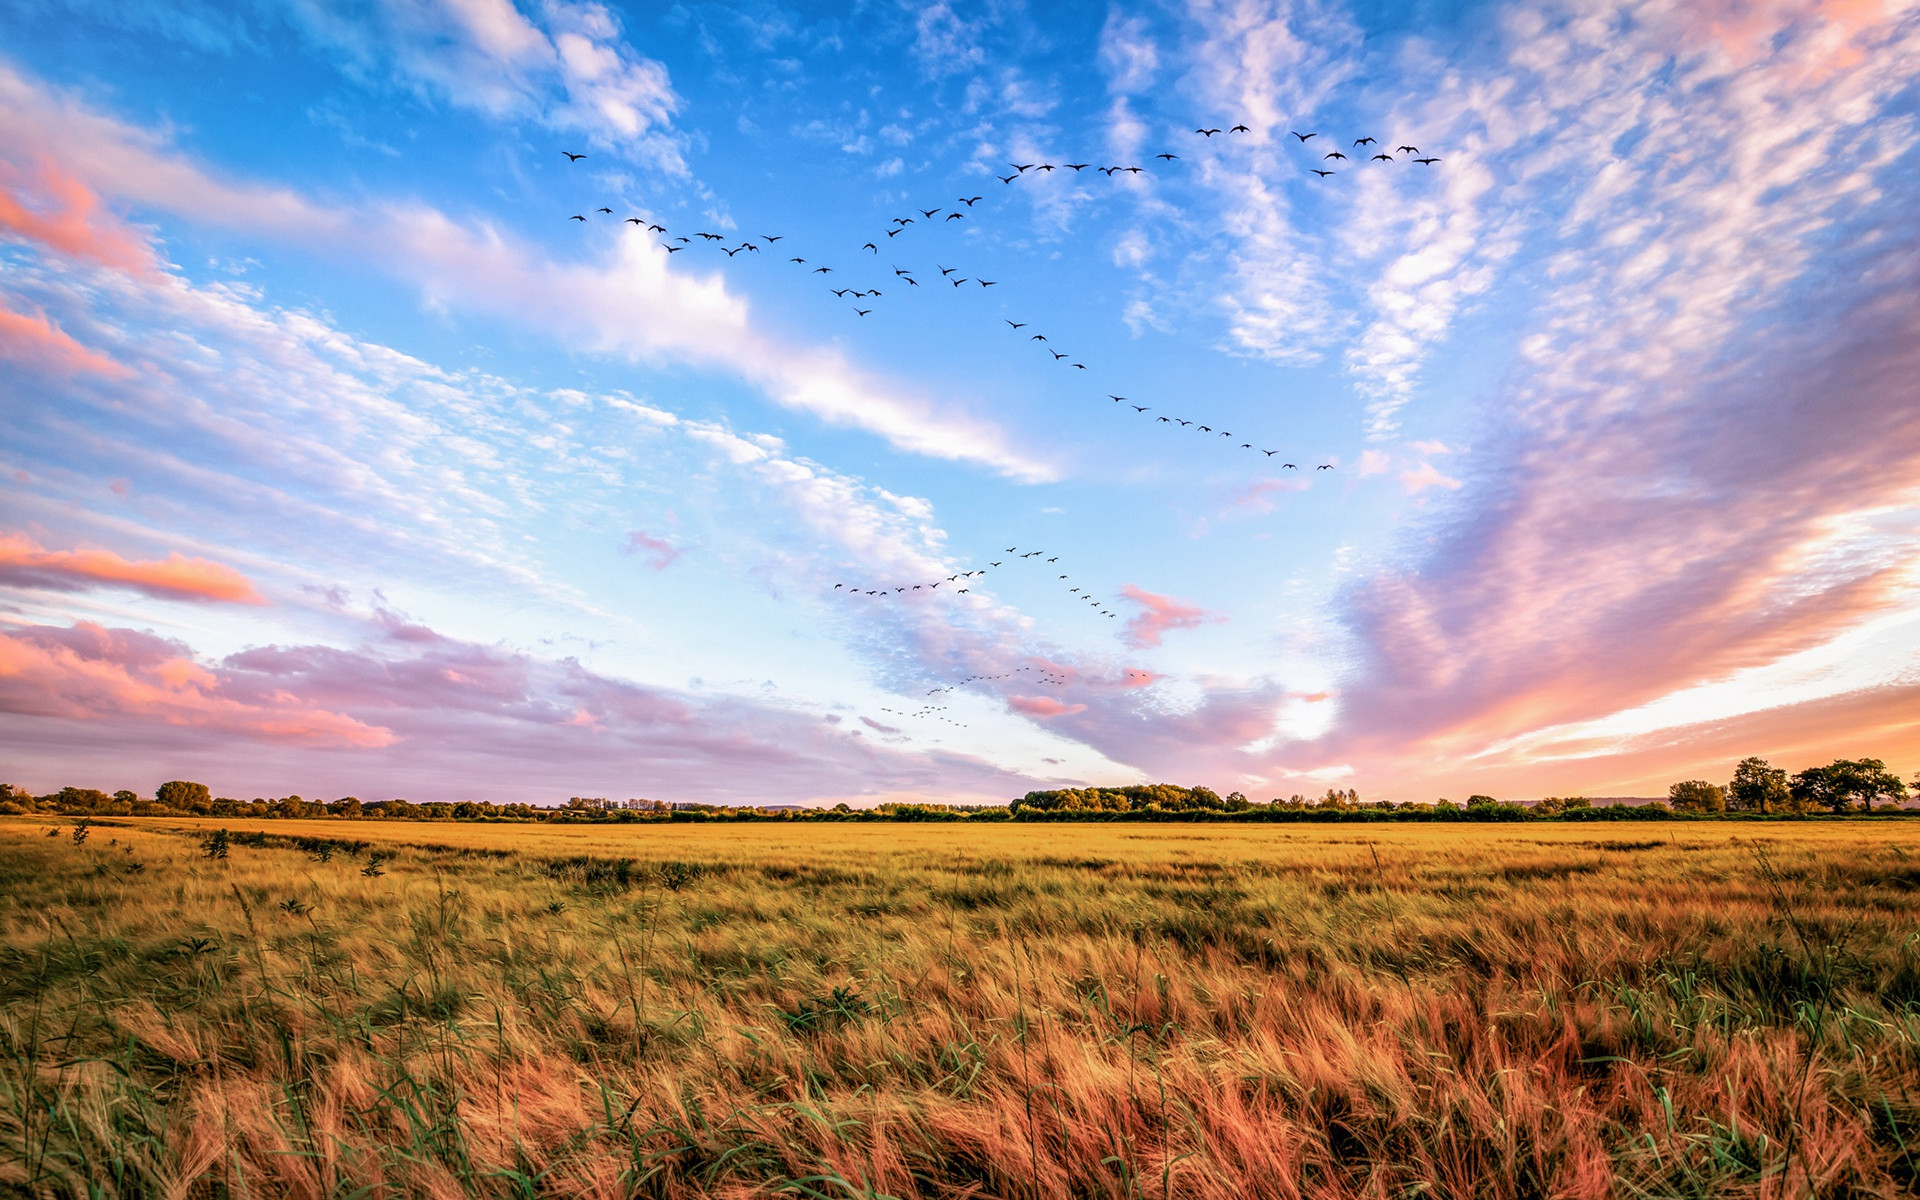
x=1303, y=136
x=1363, y=141
x=1324, y=174
x=1239, y=129
x=1167, y=157
x=1335, y=154
x=1381, y=158
x=1428, y=161
x=1408, y=149
x=576, y=217
x=572, y=157
x=1206, y=132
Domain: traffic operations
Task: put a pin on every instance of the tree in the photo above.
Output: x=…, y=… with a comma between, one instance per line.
x=1842, y=782
x=123, y=796
x=1758, y=788
x=179, y=793
x=1697, y=796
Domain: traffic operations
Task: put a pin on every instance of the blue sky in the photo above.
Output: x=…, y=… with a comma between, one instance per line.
x=343, y=461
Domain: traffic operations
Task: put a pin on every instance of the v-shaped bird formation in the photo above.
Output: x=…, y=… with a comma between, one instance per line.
x=865, y=290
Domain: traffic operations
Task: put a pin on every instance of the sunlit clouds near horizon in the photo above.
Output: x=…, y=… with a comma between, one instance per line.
x=1544, y=423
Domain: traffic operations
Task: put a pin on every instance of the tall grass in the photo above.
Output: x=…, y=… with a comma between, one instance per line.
x=871, y=1011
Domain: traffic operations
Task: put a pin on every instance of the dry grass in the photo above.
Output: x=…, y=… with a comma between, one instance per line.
x=842, y=1011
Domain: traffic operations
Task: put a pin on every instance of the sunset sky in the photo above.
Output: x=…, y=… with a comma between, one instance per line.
x=339, y=460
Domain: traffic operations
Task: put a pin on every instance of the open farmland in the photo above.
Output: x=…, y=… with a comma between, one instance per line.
x=1697, y=1008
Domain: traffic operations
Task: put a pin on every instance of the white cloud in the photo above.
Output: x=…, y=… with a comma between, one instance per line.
x=566, y=66
x=631, y=302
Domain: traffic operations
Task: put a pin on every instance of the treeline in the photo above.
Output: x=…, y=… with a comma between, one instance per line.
x=1844, y=786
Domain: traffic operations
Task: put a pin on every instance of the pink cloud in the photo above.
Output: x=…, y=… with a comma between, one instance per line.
x=420, y=714
x=38, y=342
x=1043, y=706
x=117, y=676
x=1160, y=615
x=1255, y=496
x=23, y=563
x=1425, y=476
x=58, y=211
x=663, y=552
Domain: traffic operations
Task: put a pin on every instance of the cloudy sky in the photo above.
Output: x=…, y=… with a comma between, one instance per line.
x=339, y=459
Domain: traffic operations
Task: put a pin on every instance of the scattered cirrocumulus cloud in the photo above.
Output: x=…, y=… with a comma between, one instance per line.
x=23, y=563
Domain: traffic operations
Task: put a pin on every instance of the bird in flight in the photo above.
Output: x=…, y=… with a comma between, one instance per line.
x=1239, y=129
x=1302, y=136
x=1206, y=132
x=1057, y=356
x=1324, y=174
x=822, y=270
x=863, y=311
x=1334, y=154
x=607, y=211
x=572, y=157
x=1038, y=337
x=675, y=249
x=1046, y=166
x=926, y=212
x=1381, y=158
x=956, y=216
x=1078, y=166
x=1167, y=157
x=1324, y=467
x=576, y=217
x=944, y=270
x=711, y=237
x=1018, y=169
x=1429, y=161
x=1139, y=407
x=635, y=221
x=1007, y=178
x=1363, y=141
x=969, y=202
x=986, y=282
x=840, y=291
x=1288, y=467
x=958, y=282
x=797, y=260
x=1408, y=149
x=1115, y=399
x=872, y=247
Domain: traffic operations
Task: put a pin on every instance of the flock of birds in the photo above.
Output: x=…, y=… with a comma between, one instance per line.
x=864, y=295
x=892, y=591
x=1043, y=676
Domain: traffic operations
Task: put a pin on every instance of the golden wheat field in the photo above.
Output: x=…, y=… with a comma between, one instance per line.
x=378, y=1008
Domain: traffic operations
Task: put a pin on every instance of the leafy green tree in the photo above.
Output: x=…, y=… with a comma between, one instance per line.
x=1758, y=788
x=1697, y=796
x=1844, y=782
x=181, y=794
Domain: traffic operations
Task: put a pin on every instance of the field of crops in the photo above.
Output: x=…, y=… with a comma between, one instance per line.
x=365, y=1008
